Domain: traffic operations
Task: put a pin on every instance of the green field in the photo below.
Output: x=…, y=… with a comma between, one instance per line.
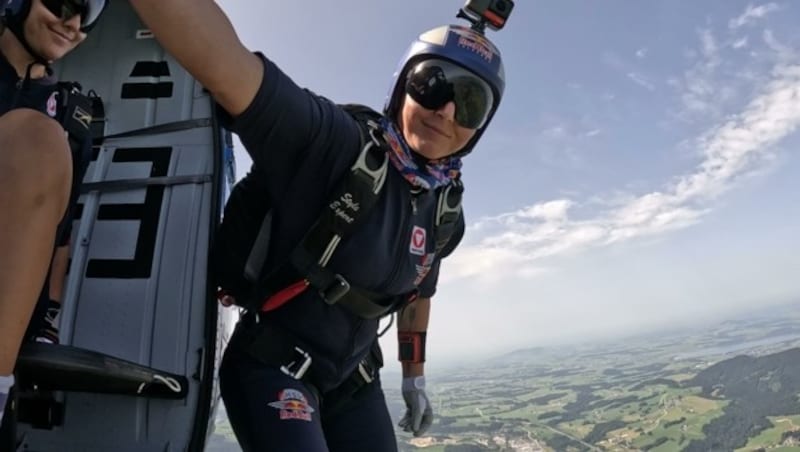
x=637, y=395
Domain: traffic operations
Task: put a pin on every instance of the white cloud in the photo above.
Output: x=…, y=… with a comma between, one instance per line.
x=640, y=80
x=550, y=211
x=740, y=43
x=698, y=92
x=641, y=53
x=751, y=14
x=555, y=132
x=783, y=51
x=619, y=64
x=516, y=243
x=710, y=47
x=716, y=80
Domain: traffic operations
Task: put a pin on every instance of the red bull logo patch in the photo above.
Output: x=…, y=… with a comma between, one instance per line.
x=293, y=405
x=417, y=246
x=476, y=43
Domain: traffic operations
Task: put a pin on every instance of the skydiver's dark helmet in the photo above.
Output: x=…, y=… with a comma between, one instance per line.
x=471, y=67
x=15, y=12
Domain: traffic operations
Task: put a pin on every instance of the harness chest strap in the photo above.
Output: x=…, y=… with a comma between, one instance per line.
x=354, y=195
x=350, y=202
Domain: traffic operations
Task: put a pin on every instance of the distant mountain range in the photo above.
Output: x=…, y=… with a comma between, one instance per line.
x=756, y=387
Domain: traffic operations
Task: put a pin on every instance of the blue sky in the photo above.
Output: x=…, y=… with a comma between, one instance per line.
x=641, y=172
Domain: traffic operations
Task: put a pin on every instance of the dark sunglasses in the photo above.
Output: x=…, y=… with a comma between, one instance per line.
x=89, y=10
x=433, y=83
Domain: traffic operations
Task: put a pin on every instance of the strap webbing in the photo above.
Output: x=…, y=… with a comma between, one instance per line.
x=350, y=202
x=131, y=184
x=258, y=254
x=448, y=211
x=159, y=129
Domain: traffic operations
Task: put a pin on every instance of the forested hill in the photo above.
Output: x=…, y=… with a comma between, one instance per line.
x=756, y=387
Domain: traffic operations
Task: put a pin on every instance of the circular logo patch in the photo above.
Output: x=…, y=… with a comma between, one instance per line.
x=52, y=105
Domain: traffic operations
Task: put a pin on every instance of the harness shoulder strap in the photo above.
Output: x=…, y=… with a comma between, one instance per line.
x=350, y=201
x=448, y=211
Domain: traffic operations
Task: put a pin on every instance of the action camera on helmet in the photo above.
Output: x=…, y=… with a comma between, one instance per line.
x=481, y=13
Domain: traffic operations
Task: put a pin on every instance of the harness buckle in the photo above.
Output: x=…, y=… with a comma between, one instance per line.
x=295, y=370
x=365, y=373
x=336, y=290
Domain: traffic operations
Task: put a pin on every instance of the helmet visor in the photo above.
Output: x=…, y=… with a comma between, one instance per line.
x=433, y=83
x=88, y=10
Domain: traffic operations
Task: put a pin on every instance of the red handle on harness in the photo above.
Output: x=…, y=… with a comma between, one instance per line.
x=281, y=297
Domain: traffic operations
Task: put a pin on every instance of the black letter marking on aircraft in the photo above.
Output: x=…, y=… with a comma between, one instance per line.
x=147, y=213
x=148, y=69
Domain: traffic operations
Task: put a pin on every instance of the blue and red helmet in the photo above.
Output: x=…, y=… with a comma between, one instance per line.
x=463, y=47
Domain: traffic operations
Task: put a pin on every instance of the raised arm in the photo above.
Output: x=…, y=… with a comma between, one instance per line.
x=200, y=36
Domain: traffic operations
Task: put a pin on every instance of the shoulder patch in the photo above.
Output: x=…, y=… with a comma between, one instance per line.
x=417, y=245
x=52, y=104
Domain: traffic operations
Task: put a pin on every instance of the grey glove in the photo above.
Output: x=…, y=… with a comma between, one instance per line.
x=419, y=414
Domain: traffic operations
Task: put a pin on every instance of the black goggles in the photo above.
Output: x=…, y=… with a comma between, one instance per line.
x=433, y=83
x=89, y=10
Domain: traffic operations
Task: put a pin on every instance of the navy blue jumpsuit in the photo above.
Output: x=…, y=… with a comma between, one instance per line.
x=302, y=145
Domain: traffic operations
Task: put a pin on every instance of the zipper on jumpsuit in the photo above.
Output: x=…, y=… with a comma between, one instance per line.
x=392, y=276
x=406, y=241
